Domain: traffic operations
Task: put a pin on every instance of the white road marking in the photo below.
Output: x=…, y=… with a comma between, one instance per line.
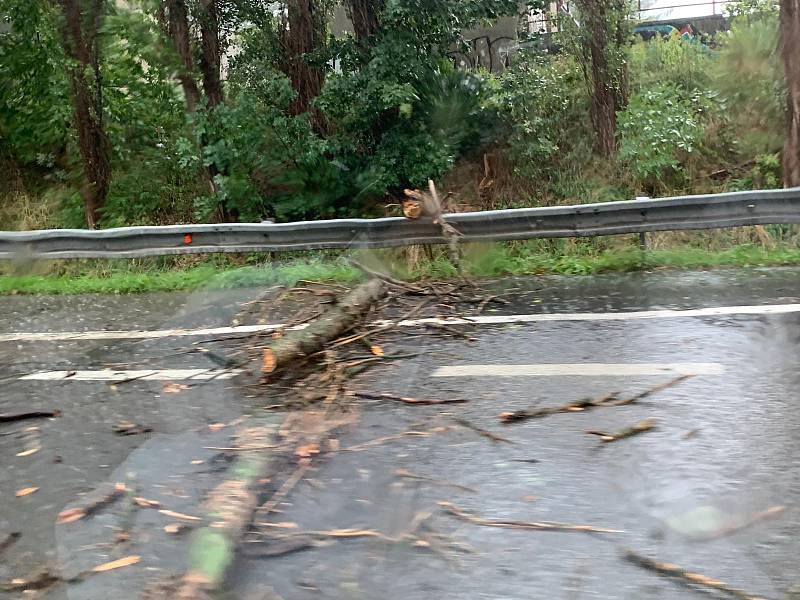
x=768, y=309
x=580, y=369
x=143, y=375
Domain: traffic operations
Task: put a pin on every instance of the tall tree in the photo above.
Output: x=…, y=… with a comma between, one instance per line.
x=790, y=53
x=175, y=18
x=305, y=32
x=210, y=51
x=365, y=16
x=80, y=32
x=601, y=46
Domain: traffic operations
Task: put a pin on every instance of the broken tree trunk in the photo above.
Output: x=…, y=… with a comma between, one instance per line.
x=333, y=324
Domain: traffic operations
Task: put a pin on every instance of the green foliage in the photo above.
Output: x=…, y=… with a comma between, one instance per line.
x=659, y=129
x=673, y=61
x=35, y=110
x=749, y=75
x=544, y=107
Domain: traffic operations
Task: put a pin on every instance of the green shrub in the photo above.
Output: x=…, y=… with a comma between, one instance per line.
x=542, y=101
x=658, y=130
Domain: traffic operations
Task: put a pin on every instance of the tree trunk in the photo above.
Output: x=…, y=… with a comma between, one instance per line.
x=602, y=37
x=303, y=35
x=178, y=29
x=80, y=32
x=211, y=55
x=365, y=16
x=298, y=345
x=790, y=53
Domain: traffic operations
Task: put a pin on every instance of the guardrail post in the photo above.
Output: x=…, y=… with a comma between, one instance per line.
x=642, y=234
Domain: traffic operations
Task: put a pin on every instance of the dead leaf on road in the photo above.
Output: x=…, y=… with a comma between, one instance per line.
x=26, y=491
x=116, y=564
x=377, y=350
x=174, y=388
x=70, y=515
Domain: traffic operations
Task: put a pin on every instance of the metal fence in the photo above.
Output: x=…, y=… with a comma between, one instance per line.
x=637, y=216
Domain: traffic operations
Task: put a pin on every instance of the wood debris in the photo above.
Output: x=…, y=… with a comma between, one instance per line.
x=26, y=491
x=697, y=579
x=39, y=414
x=609, y=400
x=480, y=431
x=117, y=564
x=407, y=400
x=442, y=482
x=9, y=540
x=130, y=428
x=397, y=436
x=459, y=513
x=180, y=516
x=92, y=503
x=636, y=429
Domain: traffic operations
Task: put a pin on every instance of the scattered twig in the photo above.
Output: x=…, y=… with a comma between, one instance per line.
x=391, y=438
x=130, y=428
x=239, y=449
x=92, y=503
x=387, y=278
x=697, y=579
x=541, y=526
x=443, y=482
x=608, y=400
x=39, y=414
x=635, y=429
x=484, y=432
x=9, y=540
x=450, y=330
x=284, y=490
x=406, y=399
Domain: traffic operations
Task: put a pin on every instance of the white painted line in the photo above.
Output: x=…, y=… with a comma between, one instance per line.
x=580, y=370
x=142, y=375
x=768, y=309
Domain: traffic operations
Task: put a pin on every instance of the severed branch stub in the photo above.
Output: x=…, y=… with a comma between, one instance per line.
x=635, y=429
x=331, y=325
x=541, y=526
x=697, y=579
x=418, y=204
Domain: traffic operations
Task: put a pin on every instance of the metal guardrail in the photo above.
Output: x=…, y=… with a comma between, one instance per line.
x=637, y=216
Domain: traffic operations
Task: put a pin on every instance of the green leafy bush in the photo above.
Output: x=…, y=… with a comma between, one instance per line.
x=543, y=105
x=658, y=130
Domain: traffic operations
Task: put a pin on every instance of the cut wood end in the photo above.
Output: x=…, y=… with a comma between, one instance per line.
x=412, y=209
x=269, y=363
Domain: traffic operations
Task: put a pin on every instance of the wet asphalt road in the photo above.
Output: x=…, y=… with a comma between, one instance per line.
x=726, y=447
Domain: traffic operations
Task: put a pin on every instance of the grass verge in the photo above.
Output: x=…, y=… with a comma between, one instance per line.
x=122, y=277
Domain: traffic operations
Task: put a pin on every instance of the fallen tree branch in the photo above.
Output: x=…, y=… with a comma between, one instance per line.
x=333, y=324
x=39, y=414
x=9, y=540
x=541, y=526
x=443, y=482
x=635, y=429
x=484, y=432
x=407, y=400
x=387, y=278
x=697, y=579
x=391, y=438
x=92, y=503
x=609, y=400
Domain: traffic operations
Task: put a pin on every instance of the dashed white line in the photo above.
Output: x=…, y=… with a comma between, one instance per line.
x=580, y=369
x=141, y=375
x=768, y=309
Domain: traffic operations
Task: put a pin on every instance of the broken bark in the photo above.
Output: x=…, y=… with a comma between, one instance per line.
x=92, y=503
x=333, y=324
